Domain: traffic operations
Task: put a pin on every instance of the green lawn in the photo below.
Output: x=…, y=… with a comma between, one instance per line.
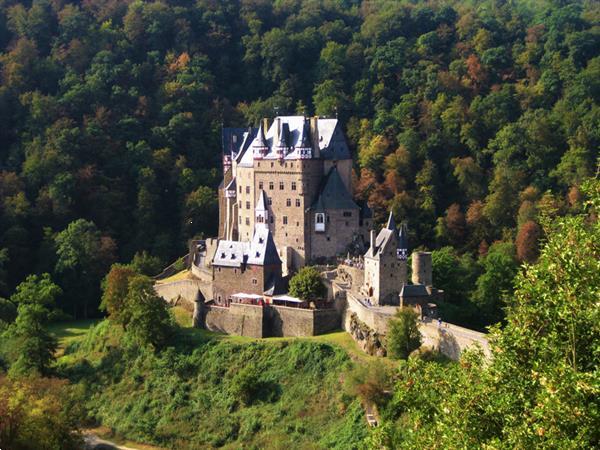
x=66, y=332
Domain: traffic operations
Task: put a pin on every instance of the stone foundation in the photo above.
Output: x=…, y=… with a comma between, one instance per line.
x=367, y=339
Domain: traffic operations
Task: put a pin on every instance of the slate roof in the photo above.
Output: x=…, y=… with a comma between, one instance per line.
x=294, y=134
x=232, y=139
x=403, y=237
x=366, y=212
x=231, y=253
x=333, y=194
x=262, y=251
x=231, y=186
x=414, y=290
x=261, y=204
x=383, y=239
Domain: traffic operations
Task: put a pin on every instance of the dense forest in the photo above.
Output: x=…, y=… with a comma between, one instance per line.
x=476, y=122
x=467, y=119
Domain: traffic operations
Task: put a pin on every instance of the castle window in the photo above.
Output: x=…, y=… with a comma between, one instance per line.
x=285, y=220
x=247, y=189
x=328, y=219
x=347, y=224
x=247, y=221
x=271, y=184
x=292, y=165
x=298, y=202
x=328, y=238
x=319, y=222
x=254, y=281
x=347, y=214
x=271, y=219
x=269, y=201
x=240, y=189
x=293, y=185
x=271, y=164
x=288, y=202
x=247, y=205
x=260, y=185
x=240, y=204
x=281, y=186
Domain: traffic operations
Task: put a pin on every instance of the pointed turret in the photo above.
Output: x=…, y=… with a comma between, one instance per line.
x=259, y=146
x=391, y=224
x=261, y=211
x=304, y=147
x=402, y=247
x=281, y=138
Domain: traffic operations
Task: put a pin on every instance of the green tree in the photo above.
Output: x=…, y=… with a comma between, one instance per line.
x=29, y=346
x=403, y=335
x=37, y=289
x=150, y=322
x=307, y=284
x=83, y=258
x=494, y=286
x=115, y=288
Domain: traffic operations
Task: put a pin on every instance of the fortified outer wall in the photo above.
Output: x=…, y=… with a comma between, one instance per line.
x=238, y=319
x=183, y=292
x=451, y=340
x=286, y=321
x=258, y=321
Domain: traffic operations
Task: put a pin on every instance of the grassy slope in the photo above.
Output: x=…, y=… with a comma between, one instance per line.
x=184, y=397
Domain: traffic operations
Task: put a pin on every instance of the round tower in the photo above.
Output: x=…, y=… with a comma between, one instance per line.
x=421, y=268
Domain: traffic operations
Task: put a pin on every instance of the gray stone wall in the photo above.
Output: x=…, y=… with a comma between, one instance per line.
x=339, y=232
x=241, y=320
x=285, y=321
x=183, y=292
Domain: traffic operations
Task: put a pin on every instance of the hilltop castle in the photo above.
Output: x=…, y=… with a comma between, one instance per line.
x=294, y=177
x=286, y=201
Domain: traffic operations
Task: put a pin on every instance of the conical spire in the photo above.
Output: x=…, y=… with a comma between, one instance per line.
x=305, y=142
x=259, y=145
x=261, y=212
x=391, y=224
x=402, y=247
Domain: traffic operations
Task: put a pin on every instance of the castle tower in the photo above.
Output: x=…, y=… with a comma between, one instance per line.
x=300, y=163
x=422, y=268
x=385, y=265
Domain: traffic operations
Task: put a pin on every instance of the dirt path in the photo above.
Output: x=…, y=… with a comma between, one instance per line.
x=93, y=442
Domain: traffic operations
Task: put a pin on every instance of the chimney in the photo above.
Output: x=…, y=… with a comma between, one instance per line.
x=373, y=240
x=265, y=124
x=314, y=133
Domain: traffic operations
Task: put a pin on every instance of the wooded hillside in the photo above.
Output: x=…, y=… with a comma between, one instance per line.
x=467, y=119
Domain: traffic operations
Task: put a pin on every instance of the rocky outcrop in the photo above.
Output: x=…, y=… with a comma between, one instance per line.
x=367, y=339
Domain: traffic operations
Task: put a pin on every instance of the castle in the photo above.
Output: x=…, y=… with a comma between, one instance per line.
x=285, y=202
x=293, y=176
